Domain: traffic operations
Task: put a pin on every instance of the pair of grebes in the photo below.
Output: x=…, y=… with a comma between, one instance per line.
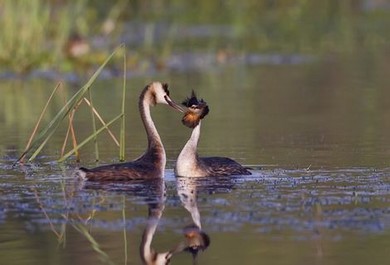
x=152, y=163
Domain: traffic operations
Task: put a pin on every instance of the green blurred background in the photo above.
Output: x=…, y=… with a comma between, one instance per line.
x=37, y=34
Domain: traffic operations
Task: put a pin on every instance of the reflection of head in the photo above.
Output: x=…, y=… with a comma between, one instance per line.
x=196, y=240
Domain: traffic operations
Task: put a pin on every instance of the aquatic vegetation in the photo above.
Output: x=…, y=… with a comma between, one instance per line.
x=34, y=33
x=36, y=143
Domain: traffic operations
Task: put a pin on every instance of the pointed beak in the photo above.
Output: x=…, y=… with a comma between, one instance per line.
x=174, y=105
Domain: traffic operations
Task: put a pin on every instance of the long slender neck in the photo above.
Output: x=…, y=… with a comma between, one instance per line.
x=190, y=148
x=188, y=196
x=146, y=251
x=155, y=145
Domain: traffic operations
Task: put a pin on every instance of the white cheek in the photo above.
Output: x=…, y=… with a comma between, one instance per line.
x=160, y=98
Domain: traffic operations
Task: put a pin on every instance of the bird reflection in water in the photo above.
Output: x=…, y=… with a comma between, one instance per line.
x=196, y=239
x=156, y=207
x=153, y=192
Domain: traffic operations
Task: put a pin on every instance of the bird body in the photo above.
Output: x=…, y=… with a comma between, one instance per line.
x=189, y=163
x=152, y=163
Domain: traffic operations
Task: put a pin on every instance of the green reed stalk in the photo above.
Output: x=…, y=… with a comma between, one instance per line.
x=94, y=126
x=67, y=134
x=62, y=240
x=123, y=125
x=95, y=245
x=73, y=134
x=124, y=227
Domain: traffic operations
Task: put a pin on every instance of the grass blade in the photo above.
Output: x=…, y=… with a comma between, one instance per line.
x=124, y=227
x=123, y=124
x=73, y=134
x=94, y=244
x=94, y=127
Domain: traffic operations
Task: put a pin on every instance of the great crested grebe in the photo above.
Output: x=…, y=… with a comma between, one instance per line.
x=156, y=203
x=197, y=239
x=194, y=239
x=188, y=163
x=148, y=254
x=152, y=163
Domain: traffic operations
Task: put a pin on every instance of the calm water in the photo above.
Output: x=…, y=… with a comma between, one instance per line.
x=318, y=130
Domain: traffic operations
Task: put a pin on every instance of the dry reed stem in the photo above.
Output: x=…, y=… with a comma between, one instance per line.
x=102, y=121
x=70, y=130
x=21, y=159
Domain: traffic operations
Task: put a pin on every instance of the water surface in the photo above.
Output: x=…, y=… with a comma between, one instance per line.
x=314, y=132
